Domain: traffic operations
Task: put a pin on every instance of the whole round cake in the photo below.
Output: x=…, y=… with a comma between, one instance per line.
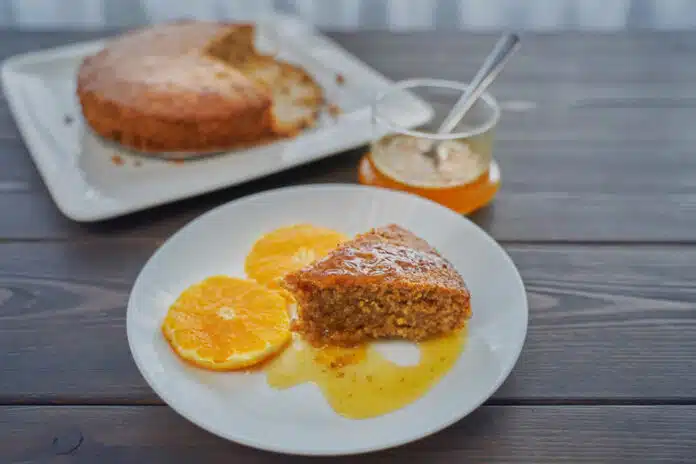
x=193, y=86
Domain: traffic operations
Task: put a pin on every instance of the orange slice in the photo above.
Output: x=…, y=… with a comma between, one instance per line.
x=288, y=249
x=226, y=323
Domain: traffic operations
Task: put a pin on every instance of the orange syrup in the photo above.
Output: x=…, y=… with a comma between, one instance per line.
x=360, y=383
x=463, y=199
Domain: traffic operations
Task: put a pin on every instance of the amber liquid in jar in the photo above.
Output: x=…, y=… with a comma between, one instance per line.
x=463, y=177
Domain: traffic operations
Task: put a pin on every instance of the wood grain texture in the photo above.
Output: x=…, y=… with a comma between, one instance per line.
x=154, y=434
x=607, y=324
x=595, y=143
x=591, y=195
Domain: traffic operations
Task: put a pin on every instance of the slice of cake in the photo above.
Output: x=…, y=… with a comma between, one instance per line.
x=386, y=283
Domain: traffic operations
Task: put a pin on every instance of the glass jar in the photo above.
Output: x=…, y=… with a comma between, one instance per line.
x=456, y=169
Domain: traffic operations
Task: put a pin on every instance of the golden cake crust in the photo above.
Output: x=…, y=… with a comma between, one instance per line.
x=384, y=283
x=389, y=255
x=156, y=89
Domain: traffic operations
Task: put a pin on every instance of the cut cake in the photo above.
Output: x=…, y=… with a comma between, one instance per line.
x=385, y=283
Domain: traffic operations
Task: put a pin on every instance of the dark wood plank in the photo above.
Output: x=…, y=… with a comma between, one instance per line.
x=154, y=434
x=626, y=53
x=614, y=191
x=567, y=56
x=13, y=41
x=50, y=290
x=601, y=148
x=607, y=323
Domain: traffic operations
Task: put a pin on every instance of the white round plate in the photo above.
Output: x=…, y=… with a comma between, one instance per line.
x=242, y=407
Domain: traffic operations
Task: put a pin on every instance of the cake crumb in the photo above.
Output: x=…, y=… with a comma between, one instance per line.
x=340, y=80
x=178, y=162
x=334, y=110
x=117, y=160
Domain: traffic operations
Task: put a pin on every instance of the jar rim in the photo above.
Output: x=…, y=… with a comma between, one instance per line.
x=406, y=84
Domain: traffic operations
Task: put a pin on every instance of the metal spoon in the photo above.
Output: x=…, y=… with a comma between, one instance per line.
x=494, y=63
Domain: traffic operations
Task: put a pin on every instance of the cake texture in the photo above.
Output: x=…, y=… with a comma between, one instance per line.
x=385, y=283
x=190, y=86
x=295, y=95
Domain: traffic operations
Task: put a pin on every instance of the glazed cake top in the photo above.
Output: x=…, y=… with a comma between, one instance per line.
x=389, y=254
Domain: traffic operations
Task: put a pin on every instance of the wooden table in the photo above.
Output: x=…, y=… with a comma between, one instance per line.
x=597, y=208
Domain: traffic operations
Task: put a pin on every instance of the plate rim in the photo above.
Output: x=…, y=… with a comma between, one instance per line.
x=81, y=209
x=408, y=437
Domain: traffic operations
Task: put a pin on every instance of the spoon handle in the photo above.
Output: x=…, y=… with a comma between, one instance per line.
x=503, y=49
